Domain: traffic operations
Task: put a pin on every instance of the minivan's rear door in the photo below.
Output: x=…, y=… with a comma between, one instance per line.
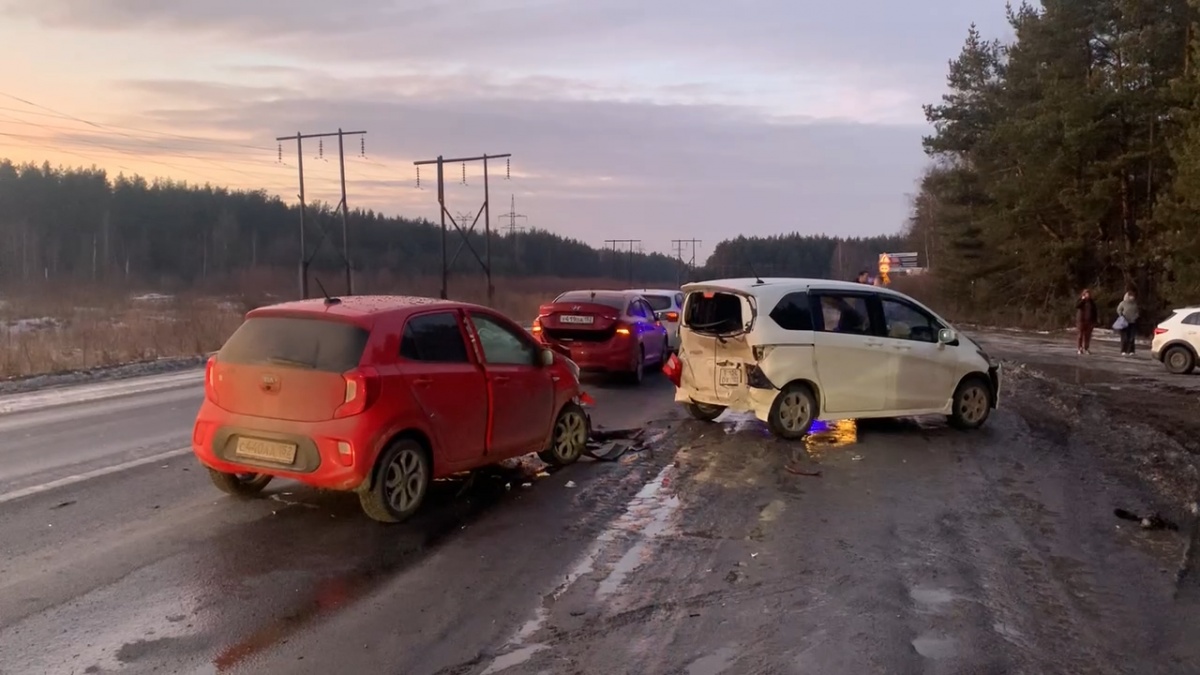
x=713, y=345
x=287, y=368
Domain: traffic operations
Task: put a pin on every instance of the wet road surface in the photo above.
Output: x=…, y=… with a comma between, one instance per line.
x=917, y=549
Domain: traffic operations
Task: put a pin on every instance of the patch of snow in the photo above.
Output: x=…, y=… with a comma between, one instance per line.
x=40, y=323
x=72, y=379
x=152, y=297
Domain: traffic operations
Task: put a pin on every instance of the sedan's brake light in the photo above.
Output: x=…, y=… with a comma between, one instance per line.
x=672, y=317
x=362, y=387
x=622, y=330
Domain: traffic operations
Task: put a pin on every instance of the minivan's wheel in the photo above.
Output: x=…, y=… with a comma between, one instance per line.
x=793, y=411
x=972, y=404
x=705, y=412
x=240, y=484
x=639, y=368
x=401, y=484
x=1179, y=360
x=569, y=439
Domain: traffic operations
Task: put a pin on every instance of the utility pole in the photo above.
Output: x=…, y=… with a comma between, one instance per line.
x=677, y=246
x=631, y=243
x=485, y=210
x=305, y=258
x=513, y=229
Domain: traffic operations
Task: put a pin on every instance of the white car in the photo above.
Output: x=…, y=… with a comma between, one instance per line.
x=1177, y=340
x=792, y=351
x=668, y=307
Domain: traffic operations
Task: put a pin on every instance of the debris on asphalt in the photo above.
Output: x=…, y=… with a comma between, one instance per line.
x=62, y=505
x=570, y=484
x=609, y=445
x=856, y=458
x=802, y=472
x=1150, y=522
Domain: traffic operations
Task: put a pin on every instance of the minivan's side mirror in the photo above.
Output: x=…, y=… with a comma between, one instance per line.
x=546, y=358
x=946, y=336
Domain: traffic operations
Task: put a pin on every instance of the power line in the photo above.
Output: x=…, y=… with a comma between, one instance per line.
x=305, y=259
x=631, y=243
x=485, y=209
x=512, y=216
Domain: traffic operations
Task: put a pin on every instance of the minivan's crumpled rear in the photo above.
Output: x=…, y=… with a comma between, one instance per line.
x=713, y=350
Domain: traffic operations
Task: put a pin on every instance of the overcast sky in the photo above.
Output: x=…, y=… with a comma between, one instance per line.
x=652, y=119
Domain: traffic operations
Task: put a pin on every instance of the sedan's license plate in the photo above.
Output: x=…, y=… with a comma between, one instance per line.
x=267, y=451
x=729, y=377
x=575, y=318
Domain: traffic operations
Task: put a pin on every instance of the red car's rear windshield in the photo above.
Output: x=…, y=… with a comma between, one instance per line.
x=316, y=344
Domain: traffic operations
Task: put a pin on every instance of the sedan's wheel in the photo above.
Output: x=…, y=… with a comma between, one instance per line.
x=705, y=412
x=639, y=368
x=1179, y=360
x=569, y=439
x=793, y=411
x=240, y=484
x=401, y=484
x=972, y=404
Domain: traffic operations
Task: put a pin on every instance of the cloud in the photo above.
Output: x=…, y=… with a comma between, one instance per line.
x=872, y=41
x=598, y=169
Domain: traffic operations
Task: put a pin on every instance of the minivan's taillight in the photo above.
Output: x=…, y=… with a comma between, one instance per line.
x=210, y=379
x=362, y=387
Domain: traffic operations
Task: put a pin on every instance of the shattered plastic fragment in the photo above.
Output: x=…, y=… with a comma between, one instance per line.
x=570, y=483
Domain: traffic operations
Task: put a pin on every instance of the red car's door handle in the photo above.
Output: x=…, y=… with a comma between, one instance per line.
x=500, y=378
x=423, y=381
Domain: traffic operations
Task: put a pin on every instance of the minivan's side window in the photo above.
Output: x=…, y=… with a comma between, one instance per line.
x=906, y=322
x=501, y=346
x=433, y=338
x=845, y=314
x=793, y=312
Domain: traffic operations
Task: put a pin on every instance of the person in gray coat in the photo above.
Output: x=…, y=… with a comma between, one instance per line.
x=1128, y=310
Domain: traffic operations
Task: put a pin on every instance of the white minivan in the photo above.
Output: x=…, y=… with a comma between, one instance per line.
x=792, y=351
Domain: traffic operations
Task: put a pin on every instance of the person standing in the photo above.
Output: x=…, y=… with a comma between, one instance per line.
x=1086, y=317
x=1128, y=310
x=864, y=277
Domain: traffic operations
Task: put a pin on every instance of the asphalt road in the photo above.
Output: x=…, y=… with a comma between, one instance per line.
x=916, y=550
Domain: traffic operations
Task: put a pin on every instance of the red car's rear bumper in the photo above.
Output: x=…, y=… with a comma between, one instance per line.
x=614, y=356
x=321, y=457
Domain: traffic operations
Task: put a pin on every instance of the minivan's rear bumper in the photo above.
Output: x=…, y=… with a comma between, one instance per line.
x=318, y=461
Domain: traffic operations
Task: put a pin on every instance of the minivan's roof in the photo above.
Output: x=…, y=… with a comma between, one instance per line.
x=353, y=307
x=751, y=285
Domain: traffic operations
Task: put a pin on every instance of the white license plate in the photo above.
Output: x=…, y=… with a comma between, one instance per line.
x=575, y=318
x=267, y=451
x=729, y=377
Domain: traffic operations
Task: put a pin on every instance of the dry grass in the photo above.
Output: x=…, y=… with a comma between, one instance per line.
x=961, y=309
x=63, y=329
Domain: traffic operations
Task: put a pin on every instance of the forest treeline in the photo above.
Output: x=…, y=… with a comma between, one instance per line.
x=82, y=225
x=1068, y=158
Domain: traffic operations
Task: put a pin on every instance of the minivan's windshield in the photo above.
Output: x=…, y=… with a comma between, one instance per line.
x=714, y=313
x=314, y=344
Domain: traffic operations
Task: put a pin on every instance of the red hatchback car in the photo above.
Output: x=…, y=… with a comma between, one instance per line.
x=604, y=331
x=381, y=395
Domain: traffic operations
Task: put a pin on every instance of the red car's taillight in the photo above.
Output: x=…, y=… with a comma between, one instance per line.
x=622, y=329
x=673, y=369
x=210, y=379
x=362, y=387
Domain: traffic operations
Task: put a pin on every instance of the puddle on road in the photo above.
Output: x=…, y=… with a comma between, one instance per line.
x=513, y=658
x=934, y=647
x=713, y=664
x=931, y=597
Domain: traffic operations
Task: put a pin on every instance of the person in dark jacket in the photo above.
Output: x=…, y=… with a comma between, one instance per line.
x=1086, y=317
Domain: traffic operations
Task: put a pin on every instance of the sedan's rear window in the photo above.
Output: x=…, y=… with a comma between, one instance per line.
x=316, y=344
x=659, y=302
x=714, y=313
x=614, y=300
